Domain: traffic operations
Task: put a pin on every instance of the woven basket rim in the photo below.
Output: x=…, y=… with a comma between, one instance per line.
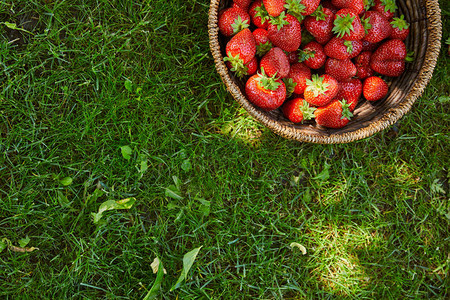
x=434, y=31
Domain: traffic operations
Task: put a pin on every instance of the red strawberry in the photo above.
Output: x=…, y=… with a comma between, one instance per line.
x=389, y=58
x=265, y=92
x=386, y=7
x=368, y=46
x=313, y=55
x=259, y=15
x=377, y=26
x=299, y=73
x=301, y=8
x=241, y=49
x=274, y=7
x=232, y=20
x=275, y=63
x=321, y=90
x=244, y=4
x=348, y=26
x=330, y=6
x=334, y=115
x=356, y=5
x=362, y=63
x=400, y=28
x=285, y=32
x=341, y=70
x=320, y=26
x=342, y=49
x=351, y=92
x=248, y=69
x=298, y=110
x=263, y=45
x=375, y=88
x=292, y=57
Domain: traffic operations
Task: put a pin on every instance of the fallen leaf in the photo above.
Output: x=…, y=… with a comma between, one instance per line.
x=301, y=247
x=155, y=266
x=188, y=261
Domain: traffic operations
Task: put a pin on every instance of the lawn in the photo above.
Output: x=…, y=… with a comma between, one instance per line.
x=108, y=100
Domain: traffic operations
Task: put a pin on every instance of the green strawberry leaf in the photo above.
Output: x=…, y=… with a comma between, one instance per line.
x=343, y=25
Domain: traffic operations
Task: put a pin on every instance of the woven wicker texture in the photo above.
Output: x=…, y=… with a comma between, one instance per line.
x=370, y=118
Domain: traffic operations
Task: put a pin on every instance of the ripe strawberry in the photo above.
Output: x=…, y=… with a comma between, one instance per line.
x=232, y=20
x=301, y=8
x=259, y=15
x=342, y=49
x=400, y=28
x=356, y=5
x=265, y=92
x=320, y=26
x=386, y=7
x=334, y=115
x=299, y=73
x=298, y=110
x=312, y=55
x=351, y=92
x=321, y=90
x=330, y=6
x=341, y=70
x=378, y=27
x=240, y=49
x=348, y=26
x=285, y=32
x=263, y=45
x=274, y=7
x=248, y=69
x=362, y=63
x=389, y=58
x=374, y=88
x=292, y=57
x=243, y=4
x=275, y=63
x=368, y=46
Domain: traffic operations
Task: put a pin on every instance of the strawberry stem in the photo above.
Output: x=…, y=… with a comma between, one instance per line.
x=400, y=23
x=343, y=25
x=316, y=85
x=307, y=111
x=290, y=86
x=279, y=21
x=268, y=83
x=295, y=8
x=239, y=24
x=346, y=113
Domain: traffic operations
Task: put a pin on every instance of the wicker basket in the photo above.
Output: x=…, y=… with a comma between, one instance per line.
x=370, y=118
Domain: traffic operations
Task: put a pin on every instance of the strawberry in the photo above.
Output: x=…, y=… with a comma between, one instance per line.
x=351, y=92
x=285, y=32
x=348, y=26
x=400, y=28
x=301, y=8
x=320, y=26
x=362, y=63
x=389, y=58
x=259, y=15
x=386, y=7
x=341, y=49
x=263, y=45
x=342, y=70
x=243, y=4
x=298, y=110
x=321, y=90
x=292, y=57
x=275, y=63
x=334, y=115
x=378, y=27
x=299, y=73
x=312, y=55
x=274, y=7
x=356, y=5
x=240, y=49
x=265, y=92
x=374, y=88
x=330, y=6
x=248, y=69
x=368, y=46
x=232, y=20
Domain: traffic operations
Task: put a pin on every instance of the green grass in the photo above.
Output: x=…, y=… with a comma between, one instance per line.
x=373, y=215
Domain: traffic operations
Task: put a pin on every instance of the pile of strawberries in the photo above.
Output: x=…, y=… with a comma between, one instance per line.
x=314, y=59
